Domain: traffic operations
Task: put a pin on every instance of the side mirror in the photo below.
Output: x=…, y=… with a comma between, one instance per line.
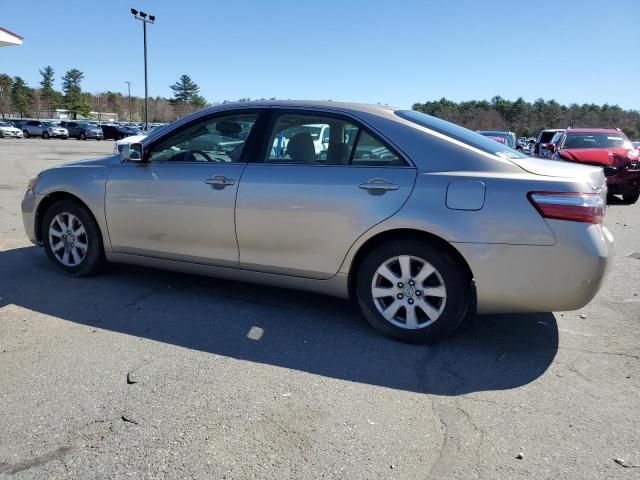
x=132, y=152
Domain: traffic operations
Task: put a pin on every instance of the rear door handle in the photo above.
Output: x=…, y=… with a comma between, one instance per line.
x=219, y=181
x=379, y=184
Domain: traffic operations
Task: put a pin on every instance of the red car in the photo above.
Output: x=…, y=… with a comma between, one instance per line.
x=606, y=148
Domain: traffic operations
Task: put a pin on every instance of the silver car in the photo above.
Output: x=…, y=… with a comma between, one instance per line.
x=418, y=220
x=36, y=128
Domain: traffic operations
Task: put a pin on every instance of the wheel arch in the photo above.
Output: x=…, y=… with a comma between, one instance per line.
x=404, y=233
x=48, y=201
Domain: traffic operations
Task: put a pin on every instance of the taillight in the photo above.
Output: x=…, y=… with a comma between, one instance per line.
x=536, y=148
x=574, y=207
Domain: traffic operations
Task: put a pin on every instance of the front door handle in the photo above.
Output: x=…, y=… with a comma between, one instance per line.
x=220, y=181
x=379, y=184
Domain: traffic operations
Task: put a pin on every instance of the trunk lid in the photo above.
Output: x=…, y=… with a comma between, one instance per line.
x=594, y=176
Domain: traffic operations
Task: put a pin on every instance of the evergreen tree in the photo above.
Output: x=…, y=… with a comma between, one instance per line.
x=184, y=89
x=47, y=93
x=20, y=96
x=186, y=95
x=74, y=100
x=6, y=106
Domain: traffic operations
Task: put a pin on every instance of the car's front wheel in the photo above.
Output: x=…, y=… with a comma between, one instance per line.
x=631, y=198
x=45, y=135
x=412, y=291
x=25, y=133
x=72, y=238
x=82, y=136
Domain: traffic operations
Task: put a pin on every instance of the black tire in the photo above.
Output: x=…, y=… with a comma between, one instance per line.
x=25, y=133
x=82, y=136
x=631, y=198
x=451, y=275
x=94, y=258
x=45, y=135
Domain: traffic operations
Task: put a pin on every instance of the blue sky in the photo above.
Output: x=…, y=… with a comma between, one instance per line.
x=397, y=52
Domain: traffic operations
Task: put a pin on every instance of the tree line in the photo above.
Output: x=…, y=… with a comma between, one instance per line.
x=18, y=98
x=526, y=118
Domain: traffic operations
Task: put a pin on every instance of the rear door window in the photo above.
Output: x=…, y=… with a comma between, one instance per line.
x=315, y=139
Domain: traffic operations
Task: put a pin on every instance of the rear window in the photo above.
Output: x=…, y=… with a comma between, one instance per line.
x=546, y=137
x=459, y=133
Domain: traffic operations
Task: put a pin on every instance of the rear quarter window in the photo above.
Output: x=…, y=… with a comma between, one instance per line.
x=459, y=133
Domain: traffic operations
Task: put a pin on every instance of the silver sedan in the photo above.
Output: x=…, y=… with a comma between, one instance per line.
x=418, y=220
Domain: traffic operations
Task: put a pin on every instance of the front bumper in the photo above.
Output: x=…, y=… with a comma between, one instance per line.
x=9, y=134
x=59, y=134
x=626, y=182
x=29, y=207
x=527, y=278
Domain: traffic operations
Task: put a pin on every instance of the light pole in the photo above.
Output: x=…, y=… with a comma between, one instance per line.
x=129, y=91
x=144, y=18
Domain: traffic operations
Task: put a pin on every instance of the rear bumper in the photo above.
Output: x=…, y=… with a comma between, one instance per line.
x=624, y=183
x=527, y=278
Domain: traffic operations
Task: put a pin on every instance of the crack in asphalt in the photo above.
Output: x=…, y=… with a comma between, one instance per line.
x=621, y=354
x=33, y=462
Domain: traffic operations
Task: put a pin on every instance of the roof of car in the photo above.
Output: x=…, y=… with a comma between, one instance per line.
x=593, y=130
x=329, y=104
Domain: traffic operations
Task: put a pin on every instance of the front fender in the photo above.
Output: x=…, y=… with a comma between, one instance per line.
x=85, y=182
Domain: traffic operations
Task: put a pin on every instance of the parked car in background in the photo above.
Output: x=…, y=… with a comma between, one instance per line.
x=544, y=136
x=550, y=147
x=17, y=123
x=418, y=235
x=498, y=139
x=83, y=130
x=117, y=132
x=636, y=145
x=119, y=144
x=528, y=146
x=509, y=137
x=7, y=130
x=520, y=143
x=606, y=148
x=36, y=128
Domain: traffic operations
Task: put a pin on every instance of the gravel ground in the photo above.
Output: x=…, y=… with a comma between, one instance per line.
x=147, y=374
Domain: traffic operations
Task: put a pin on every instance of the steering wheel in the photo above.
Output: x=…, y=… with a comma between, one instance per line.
x=201, y=153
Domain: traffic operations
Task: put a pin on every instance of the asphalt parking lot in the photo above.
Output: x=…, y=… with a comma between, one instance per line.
x=147, y=374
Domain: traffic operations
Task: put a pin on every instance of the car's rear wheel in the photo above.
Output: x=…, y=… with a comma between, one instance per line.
x=83, y=136
x=25, y=133
x=631, y=198
x=45, y=135
x=412, y=291
x=72, y=238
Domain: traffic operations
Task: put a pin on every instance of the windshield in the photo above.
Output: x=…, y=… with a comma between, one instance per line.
x=596, y=140
x=459, y=133
x=5, y=124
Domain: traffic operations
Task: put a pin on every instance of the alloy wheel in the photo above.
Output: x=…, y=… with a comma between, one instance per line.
x=68, y=239
x=408, y=292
